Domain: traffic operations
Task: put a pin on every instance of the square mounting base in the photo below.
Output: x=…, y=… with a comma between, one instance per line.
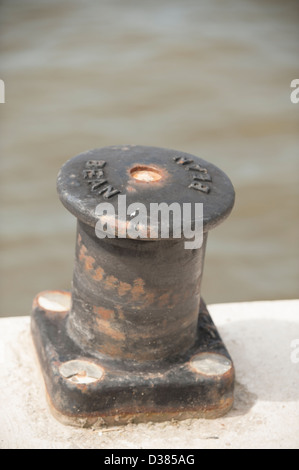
x=84, y=391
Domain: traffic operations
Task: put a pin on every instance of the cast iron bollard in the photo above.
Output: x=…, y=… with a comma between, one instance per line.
x=133, y=341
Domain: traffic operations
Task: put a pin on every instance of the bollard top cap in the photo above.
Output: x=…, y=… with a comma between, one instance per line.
x=144, y=175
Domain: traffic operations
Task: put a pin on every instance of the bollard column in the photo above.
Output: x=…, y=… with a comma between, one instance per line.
x=133, y=340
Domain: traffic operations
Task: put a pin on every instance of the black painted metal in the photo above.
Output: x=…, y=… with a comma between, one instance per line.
x=136, y=304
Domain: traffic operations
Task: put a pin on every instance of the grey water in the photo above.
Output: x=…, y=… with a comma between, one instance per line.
x=210, y=78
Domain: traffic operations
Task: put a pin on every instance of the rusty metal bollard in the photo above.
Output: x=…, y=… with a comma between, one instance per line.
x=134, y=341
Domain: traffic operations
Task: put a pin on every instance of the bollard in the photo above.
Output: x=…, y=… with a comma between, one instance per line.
x=133, y=340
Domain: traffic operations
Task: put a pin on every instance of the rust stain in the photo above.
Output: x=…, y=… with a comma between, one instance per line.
x=99, y=274
x=149, y=298
x=135, y=291
x=84, y=258
x=164, y=299
x=138, y=289
x=120, y=312
x=82, y=252
x=143, y=414
x=89, y=262
x=112, y=350
x=105, y=327
x=130, y=189
x=104, y=313
x=111, y=282
x=123, y=288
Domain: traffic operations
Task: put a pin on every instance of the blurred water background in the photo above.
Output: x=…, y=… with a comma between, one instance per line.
x=210, y=78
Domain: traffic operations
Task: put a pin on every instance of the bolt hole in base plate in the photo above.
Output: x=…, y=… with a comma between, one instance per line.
x=80, y=371
x=55, y=301
x=82, y=389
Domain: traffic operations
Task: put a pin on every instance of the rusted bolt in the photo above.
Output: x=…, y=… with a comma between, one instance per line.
x=136, y=309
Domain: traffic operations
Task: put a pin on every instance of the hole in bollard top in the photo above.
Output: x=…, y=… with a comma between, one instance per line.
x=145, y=174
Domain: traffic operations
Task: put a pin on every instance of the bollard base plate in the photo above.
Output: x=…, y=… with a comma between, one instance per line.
x=85, y=391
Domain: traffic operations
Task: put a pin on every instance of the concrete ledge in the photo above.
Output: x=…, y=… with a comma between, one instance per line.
x=260, y=337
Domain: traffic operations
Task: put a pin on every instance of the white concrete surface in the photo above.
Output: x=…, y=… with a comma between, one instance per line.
x=263, y=340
